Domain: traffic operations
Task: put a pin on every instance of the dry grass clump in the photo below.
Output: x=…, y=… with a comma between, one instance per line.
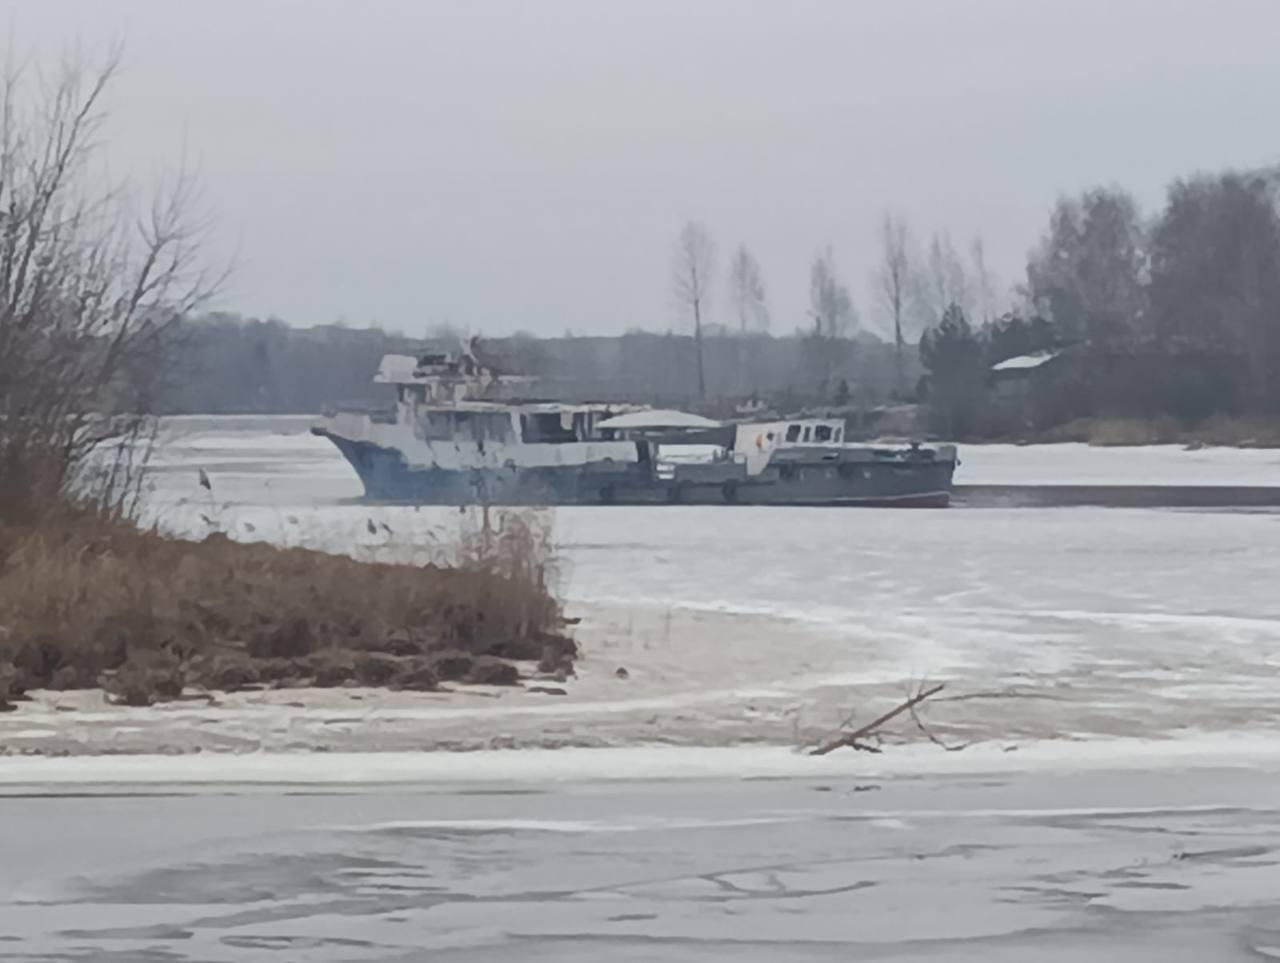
x=1122, y=432
x=1228, y=431
x=88, y=603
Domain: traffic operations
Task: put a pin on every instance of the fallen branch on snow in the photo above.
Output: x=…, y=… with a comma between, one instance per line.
x=855, y=739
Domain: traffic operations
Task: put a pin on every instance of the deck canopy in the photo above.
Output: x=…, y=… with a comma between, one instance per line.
x=655, y=420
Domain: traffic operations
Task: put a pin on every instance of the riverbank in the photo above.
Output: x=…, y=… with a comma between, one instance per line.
x=1259, y=753
x=767, y=627
x=1221, y=432
x=696, y=678
x=90, y=605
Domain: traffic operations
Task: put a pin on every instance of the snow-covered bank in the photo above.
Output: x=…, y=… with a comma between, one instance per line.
x=1078, y=464
x=700, y=678
x=1260, y=751
x=767, y=626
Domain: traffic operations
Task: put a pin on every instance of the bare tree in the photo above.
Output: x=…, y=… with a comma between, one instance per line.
x=893, y=281
x=830, y=304
x=746, y=292
x=1089, y=274
x=984, y=281
x=834, y=318
x=90, y=286
x=943, y=280
x=692, y=268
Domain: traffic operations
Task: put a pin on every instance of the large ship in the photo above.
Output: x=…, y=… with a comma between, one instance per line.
x=456, y=436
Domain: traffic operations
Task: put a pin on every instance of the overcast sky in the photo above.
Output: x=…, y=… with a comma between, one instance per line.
x=528, y=164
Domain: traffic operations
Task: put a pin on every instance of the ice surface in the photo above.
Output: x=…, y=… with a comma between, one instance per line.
x=1058, y=866
x=1076, y=464
x=1258, y=751
x=1123, y=806
x=766, y=623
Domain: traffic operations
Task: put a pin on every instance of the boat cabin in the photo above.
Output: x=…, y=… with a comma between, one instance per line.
x=813, y=432
x=529, y=424
x=791, y=434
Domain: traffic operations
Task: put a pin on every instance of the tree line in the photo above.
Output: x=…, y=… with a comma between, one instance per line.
x=913, y=291
x=1176, y=314
x=227, y=364
x=1173, y=314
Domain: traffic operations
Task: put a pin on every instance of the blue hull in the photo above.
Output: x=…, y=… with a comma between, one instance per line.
x=890, y=482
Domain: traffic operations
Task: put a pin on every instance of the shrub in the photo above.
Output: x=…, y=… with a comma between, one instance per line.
x=9, y=688
x=376, y=669
x=493, y=671
x=418, y=674
x=289, y=639
x=329, y=668
x=144, y=680
x=229, y=672
x=87, y=596
x=452, y=665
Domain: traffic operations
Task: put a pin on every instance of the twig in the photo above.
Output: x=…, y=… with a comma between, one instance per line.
x=854, y=739
x=915, y=716
x=1010, y=693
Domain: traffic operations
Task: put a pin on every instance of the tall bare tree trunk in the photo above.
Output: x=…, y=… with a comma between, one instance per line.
x=894, y=278
x=899, y=363
x=697, y=339
x=691, y=273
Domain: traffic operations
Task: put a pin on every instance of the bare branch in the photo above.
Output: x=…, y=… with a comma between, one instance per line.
x=928, y=733
x=87, y=296
x=855, y=738
x=984, y=281
x=894, y=280
x=692, y=268
x=943, y=280
x=830, y=304
x=746, y=292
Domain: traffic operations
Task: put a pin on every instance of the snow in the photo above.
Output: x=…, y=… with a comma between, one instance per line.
x=1258, y=751
x=769, y=624
x=396, y=369
x=677, y=454
x=1078, y=464
x=1025, y=362
x=659, y=418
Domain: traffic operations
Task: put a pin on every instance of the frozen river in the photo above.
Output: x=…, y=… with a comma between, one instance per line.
x=761, y=624
x=278, y=482
x=1128, y=621
x=1135, y=867
x=1122, y=806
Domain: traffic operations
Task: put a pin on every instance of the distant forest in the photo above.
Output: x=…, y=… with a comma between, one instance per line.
x=1176, y=315
x=224, y=364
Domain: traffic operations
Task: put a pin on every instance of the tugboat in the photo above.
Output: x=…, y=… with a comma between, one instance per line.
x=452, y=438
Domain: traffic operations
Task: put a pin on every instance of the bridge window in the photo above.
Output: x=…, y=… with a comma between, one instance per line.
x=793, y=433
x=485, y=426
x=436, y=425
x=548, y=426
x=822, y=433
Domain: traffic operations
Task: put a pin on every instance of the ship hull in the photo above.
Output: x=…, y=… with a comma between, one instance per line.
x=887, y=482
